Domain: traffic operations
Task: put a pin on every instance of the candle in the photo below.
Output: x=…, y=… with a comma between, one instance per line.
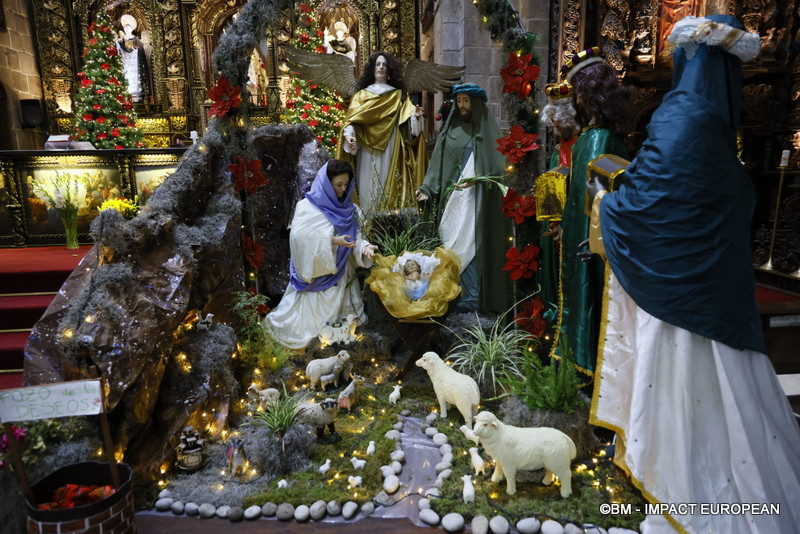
x=193, y=136
x=784, y=158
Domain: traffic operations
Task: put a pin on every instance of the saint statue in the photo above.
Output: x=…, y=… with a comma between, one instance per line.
x=134, y=59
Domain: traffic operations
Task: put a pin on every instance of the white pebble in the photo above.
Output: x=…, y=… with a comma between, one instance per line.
x=390, y=484
x=207, y=510
x=191, y=508
x=349, y=509
x=178, y=508
x=619, y=530
x=424, y=504
x=223, y=511
x=398, y=426
x=441, y=466
x=446, y=473
x=393, y=434
x=302, y=513
x=317, y=510
x=529, y=525
x=429, y=517
x=447, y=457
x=552, y=527
x=431, y=417
x=593, y=529
x=398, y=456
x=163, y=494
x=440, y=438
x=333, y=508
x=163, y=504
x=571, y=528
x=453, y=522
x=381, y=498
x=433, y=492
x=431, y=431
x=252, y=513
x=367, y=508
x=444, y=449
x=479, y=525
x=387, y=470
x=269, y=509
x=499, y=525
x=397, y=466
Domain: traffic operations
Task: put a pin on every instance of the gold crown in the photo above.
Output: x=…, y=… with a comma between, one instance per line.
x=579, y=60
x=558, y=91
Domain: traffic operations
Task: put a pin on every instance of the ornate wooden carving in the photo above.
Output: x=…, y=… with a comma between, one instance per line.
x=58, y=56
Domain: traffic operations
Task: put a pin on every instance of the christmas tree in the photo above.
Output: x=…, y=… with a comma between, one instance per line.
x=103, y=113
x=316, y=105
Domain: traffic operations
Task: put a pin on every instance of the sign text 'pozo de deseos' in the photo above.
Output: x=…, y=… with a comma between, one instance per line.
x=61, y=399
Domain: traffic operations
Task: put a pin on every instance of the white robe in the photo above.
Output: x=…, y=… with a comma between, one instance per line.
x=697, y=422
x=372, y=166
x=457, y=227
x=301, y=314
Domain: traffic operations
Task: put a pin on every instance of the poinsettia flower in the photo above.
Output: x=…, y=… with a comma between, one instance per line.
x=128, y=105
x=91, y=27
x=334, y=141
x=312, y=86
x=517, y=143
x=298, y=90
x=518, y=207
x=320, y=33
x=320, y=49
x=304, y=115
x=305, y=38
x=224, y=96
x=92, y=41
x=319, y=138
x=522, y=264
x=338, y=105
x=290, y=104
x=100, y=91
x=120, y=98
x=253, y=252
x=313, y=122
x=115, y=132
x=307, y=106
x=113, y=80
x=86, y=82
x=139, y=144
x=101, y=136
x=88, y=117
x=247, y=174
x=111, y=50
x=325, y=108
x=100, y=120
x=80, y=75
x=97, y=107
x=530, y=318
x=519, y=74
x=118, y=146
x=105, y=66
x=305, y=8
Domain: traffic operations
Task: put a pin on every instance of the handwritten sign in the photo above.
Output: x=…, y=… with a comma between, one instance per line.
x=62, y=399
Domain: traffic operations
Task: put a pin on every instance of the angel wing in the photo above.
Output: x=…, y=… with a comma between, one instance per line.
x=422, y=75
x=334, y=70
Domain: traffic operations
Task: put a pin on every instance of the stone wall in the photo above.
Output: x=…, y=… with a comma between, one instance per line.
x=19, y=74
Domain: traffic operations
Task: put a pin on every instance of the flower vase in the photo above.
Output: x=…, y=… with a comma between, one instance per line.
x=70, y=222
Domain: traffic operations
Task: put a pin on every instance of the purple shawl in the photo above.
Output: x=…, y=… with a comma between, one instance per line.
x=342, y=215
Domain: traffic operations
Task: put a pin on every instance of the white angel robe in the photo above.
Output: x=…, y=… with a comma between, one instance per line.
x=301, y=314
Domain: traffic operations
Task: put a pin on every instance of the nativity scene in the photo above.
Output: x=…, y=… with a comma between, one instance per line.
x=365, y=283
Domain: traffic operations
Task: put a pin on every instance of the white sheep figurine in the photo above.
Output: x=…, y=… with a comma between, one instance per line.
x=451, y=387
x=325, y=366
x=349, y=395
x=394, y=396
x=469, y=434
x=477, y=461
x=319, y=415
x=514, y=448
x=357, y=463
x=261, y=397
x=468, y=493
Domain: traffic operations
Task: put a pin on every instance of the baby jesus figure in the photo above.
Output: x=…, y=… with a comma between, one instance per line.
x=416, y=283
x=412, y=271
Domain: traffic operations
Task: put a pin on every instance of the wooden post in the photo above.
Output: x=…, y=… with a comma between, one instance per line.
x=109, y=445
x=18, y=465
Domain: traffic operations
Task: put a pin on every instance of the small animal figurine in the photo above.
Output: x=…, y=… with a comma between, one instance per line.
x=353, y=482
x=348, y=396
x=325, y=366
x=371, y=448
x=394, y=396
x=324, y=467
x=468, y=493
x=469, y=434
x=358, y=464
x=237, y=458
x=451, y=387
x=205, y=322
x=282, y=483
x=477, y=461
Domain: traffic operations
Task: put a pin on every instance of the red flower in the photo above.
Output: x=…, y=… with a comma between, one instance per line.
x=325, y=108
x=307, y=106
x=304, y=115
x=247, y=174
x=92, y=41
x=522, y=264
x=105, y=66
x=127, y=105
x=86, y=82
x=88, y=117
x=312, y=86
x=298, y=91
x=305, y=38
x=313, y=122
x=120, y=98
x=517, y=143
x=518, y=207
x=100, y=91
x=97, y=107
x=101, y=136
x=100, y=120
x=131, y=124
x=530, y=318
x=224, y=96
x=319, y=138
x=305, y=8
x=115, y=132
x=91, y=27
x=338, y=105
x=80, y=75
x=123, y=118
x=320, y=49
x=334, y=141
x=519, y=75
x=111, y=50
x=113, y=80
x=118, y=146
x=253, y=252
x=139, y=144
x=290, y=104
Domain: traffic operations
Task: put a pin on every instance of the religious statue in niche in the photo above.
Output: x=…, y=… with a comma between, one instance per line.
x=134, y=59
x=341, y=42
x=643, y=43
x=671, y=12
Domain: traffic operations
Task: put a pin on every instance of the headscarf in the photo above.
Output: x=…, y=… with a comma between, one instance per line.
x=677, y=232
x=342, y=215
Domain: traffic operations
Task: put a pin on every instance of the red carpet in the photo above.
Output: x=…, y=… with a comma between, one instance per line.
x=38, y=270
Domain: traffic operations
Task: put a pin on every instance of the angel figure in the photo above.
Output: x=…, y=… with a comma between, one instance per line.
x=380, y=133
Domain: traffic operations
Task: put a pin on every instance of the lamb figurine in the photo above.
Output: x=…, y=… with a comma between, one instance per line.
x=261, y=397
x=477, y=462
x=394, y=396
x=319, y=415
x=348, y=396
x=451, y=387
x=468, y=493
x=514, y=449
x=325, y=366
